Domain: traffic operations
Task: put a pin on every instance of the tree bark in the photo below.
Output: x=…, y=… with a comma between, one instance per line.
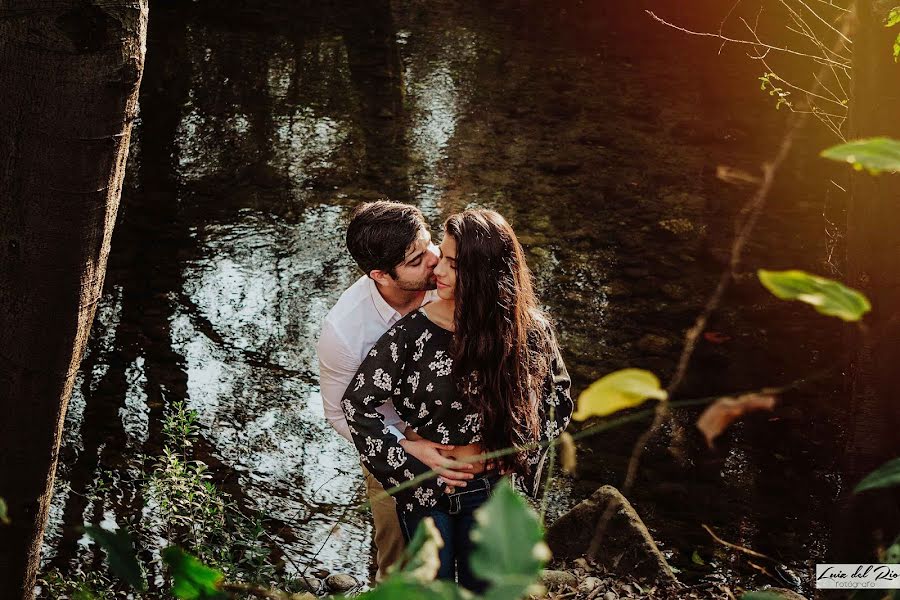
x=70, y=72
x=873, y=262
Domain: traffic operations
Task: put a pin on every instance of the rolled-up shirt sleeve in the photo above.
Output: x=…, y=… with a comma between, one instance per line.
x=337, y=367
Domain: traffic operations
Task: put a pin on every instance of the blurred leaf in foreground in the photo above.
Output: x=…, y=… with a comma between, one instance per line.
x=120, y=554
x=509, y=545
x=726, y=410
x=874, y=154
x=887, y=475
x=4, y=512
x=617, y=391
x=825, y=295
x=191, y=579
x=420, y=560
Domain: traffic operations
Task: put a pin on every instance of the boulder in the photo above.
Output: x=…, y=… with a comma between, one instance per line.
x=556, y=579
x=626, y=546
x=340, y=583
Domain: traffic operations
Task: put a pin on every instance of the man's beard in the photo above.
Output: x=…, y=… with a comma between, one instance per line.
x=417, y=286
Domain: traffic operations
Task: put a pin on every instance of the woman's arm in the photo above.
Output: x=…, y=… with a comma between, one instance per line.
x=378, y=380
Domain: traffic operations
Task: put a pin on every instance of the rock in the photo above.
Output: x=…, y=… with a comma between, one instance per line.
x=340, y=583
x=610, y=596
x=653, y=344
x=555, y=579
x=588, y=584
x=626, y=547
x=309, y=584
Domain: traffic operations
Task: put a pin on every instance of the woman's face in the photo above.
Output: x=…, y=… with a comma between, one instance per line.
x=445, y=271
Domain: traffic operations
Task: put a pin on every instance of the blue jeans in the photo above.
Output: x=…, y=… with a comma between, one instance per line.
x=455, y=528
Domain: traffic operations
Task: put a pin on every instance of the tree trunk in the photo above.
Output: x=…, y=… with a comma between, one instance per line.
x=70, y=72
x=873, y=261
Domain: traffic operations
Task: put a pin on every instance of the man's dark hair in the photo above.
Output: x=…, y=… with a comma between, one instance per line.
x=380, y=233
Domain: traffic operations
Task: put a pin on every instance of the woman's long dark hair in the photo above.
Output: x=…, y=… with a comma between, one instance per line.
x=502, y=342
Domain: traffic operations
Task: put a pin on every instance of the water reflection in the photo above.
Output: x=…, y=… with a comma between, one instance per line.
x=257, y=135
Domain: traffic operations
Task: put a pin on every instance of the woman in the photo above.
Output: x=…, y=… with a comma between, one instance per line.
x=478, y=369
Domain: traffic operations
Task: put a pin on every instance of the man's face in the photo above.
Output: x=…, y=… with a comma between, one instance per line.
x=416, y=272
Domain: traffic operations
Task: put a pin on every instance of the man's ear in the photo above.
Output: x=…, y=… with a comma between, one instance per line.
x=381, y=277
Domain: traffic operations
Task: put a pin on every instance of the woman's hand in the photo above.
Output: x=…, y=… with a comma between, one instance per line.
x=433, y=455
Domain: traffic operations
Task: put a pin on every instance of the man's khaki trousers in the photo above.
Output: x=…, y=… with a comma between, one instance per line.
x=389, y=542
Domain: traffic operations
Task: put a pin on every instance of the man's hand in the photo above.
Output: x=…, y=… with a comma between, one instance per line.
x=454, y=473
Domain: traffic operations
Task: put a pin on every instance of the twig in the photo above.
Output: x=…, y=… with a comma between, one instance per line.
x=747, y=42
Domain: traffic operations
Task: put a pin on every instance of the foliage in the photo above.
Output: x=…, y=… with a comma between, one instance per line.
x=617, y=391
x=887, y=475
x=420, y=557
x=876, y=154
x=4, y=512
x=893, y=18
x=726, y=410
x=510, y=549
x=191, y=579
x=509, y=553
x=825, y=295
x=120, y=555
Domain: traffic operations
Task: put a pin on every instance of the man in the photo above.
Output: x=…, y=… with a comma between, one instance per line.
x=391, y=244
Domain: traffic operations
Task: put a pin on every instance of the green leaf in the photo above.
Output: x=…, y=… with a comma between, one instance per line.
x=825, y=295
x=617, y=391
x=697, y=559
x=509, y=544
x=763, y=595
x=120, y=554
x=875, y=154
x=398, y=586
x=893, y=17
x=191, y=579
x=420, y=561
x=4, y=512
x=887, y=475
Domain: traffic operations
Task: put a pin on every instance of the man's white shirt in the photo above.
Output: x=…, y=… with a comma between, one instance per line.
x=350, y=329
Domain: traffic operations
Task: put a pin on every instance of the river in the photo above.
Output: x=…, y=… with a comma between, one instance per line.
x=593, y=129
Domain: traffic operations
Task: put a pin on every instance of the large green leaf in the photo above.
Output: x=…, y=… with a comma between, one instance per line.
x=875, y=154
x=420, y=560
x=509, y=545
x=4, y=512
x=191, y=579
x=120, y=554
x=825, y=295
x=617, y=391
x=398, y=586
x=887, y=475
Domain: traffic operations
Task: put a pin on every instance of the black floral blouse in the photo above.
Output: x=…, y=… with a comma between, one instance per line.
x=411, y=365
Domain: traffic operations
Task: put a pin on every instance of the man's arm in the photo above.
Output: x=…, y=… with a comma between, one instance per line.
x=337, y=366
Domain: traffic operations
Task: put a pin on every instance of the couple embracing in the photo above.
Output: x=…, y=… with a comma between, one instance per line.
x=435, y=356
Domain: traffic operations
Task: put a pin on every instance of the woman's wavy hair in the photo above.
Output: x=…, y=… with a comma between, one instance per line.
x=502, y=342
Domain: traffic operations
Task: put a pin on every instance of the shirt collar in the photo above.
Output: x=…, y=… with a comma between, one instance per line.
x=384, y=309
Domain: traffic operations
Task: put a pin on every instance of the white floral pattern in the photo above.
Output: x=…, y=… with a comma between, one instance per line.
x=425, y=396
